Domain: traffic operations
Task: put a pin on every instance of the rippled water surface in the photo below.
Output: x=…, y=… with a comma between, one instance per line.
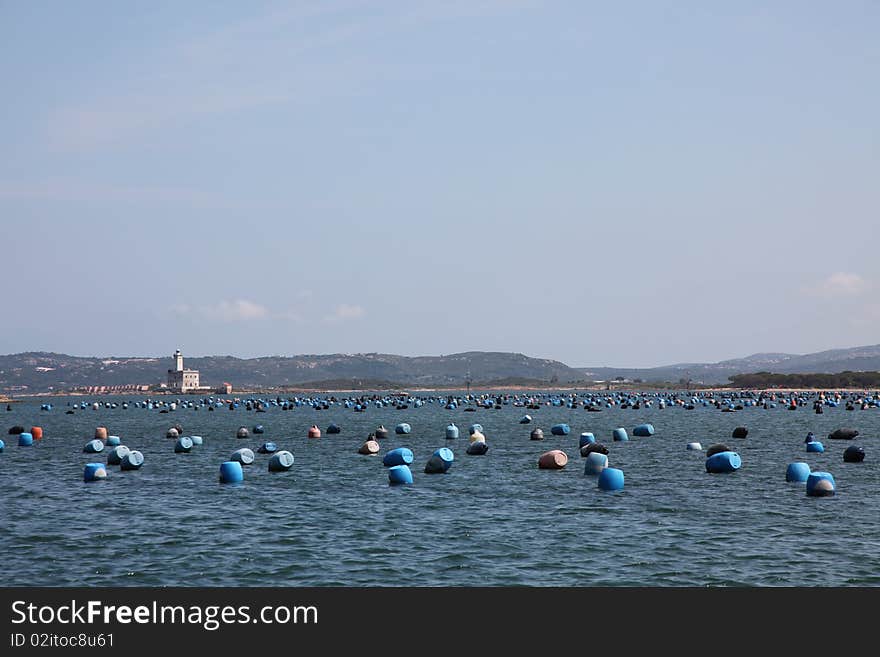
x=491, y=520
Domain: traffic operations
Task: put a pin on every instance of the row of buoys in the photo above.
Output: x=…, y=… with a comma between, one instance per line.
x=818, y=484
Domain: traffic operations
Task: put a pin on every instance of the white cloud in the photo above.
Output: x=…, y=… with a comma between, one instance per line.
x=344, y=312
x=840, y=284
x=238, y=310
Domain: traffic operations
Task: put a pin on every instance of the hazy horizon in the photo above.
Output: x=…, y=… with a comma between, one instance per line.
x=630, y=185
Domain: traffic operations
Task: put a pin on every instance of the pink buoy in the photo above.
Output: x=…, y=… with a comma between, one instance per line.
x=371, y=447
x=555, y=459
x=314, y=432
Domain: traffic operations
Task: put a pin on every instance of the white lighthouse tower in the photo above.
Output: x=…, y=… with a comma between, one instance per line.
x=179, y=379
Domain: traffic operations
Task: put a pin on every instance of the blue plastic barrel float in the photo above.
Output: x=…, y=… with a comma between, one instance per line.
x=243, y=455
x=280, y=461
x=820, y=484
x=92, y=447
x=26, y=439
x=440, y=461
x=595, y=463
x=400, y=474
x=94, y=472
x=402, y=428
x=183, y=445
x=398, y=456
x=815, y=446
x=113, y=441
x=132, y=461
x=644, y=430
x=197, y=440
x=333, y=428
x=452, y=431
x=611, y=479
x=560, y=429
x=114, y=456
x=586, y=438
x=619, y=434
x=723, y=462
x=267, y=448
x=231, y=472
x=2, y=445
x=797, y=471
x=477, y=448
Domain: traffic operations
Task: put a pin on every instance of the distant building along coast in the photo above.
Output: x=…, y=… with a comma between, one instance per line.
x=181, y=380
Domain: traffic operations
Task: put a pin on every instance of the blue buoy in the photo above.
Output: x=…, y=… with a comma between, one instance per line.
x=231, y=472
x=399, y=456
x=644, y=430
x=113, y=441
x=586, y=439
x=114, y=456
x=243, y=455
x=440, y=461
x=723, y=462
x=611, y=479
x=475, y=428
x=815, y=446
x=525, y=419
x=132, y=461
x=797, y=471
x=595, y=463
x=451, y=432
x=3, y=445
x=197, y=440
x=560, y=429
x=619, y=434
x=258, y=429
x=333, y=428
x=400, y=474
x=183, y=445
x=477, y=448
x=94, y=472
x=402, y=428
x=92, y=447
x=820, y=484
x=267, y=448
x=280, y=461
x=26, y=439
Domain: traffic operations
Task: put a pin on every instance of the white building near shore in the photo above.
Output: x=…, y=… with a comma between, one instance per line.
x=181, y=380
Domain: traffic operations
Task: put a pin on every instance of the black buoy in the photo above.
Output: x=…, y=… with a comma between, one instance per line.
x=854, y=454
x=717, y=448
x=843, y=434
x=740, y=432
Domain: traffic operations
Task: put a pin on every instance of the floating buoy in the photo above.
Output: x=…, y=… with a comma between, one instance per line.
x=399, y=456
x=797, y=471
x=536, y=434
x=243, y=455
x=740, y=432
x=586, y=439
x=854, y=454
x=370, y=448
x=94, y=472
x=400, y=474
x=477, y=448
x=440, y=461
x=231, y=472
x=644, y=430
x=242, y=432
x=843, y=434
x=619, y=434
x=589, y=448
x=381, y=432
x=113, y=441
x=172, y=433
x=595, y=463
x=717, y=448
x=197, y=440
x=16, y=430
x=477, y=437
x=402, y=428
x=133, y=460
x=560, y=429
x=114, y=456
x=92, y=447
x=280, y=461
x=25, y=439
x=333, y=428
x=611, y=479
x=452, y=432
x=555, y=459
x=37, y=433
x=815, y=446
x=695, y=446
x=267, y=448
x=101, y=433
x=2, y=445
x=723, y=462
x=475, y=428
x=820, y=484
x=314, y=431
x=43, y=407
x=183, y=445
x=525, y=419
x=259, y=429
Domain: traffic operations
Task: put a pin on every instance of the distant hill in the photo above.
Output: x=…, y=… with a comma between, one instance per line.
x=854, y=359
x=44, y=372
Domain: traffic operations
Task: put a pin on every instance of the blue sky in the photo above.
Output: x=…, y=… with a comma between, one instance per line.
x=627, y=184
